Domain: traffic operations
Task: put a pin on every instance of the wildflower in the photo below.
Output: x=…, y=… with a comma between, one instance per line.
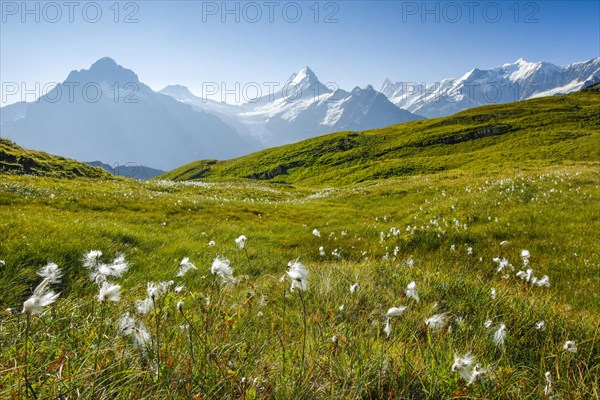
x=179, y=289
x=2, y=263
x=259, y=314
x=493, y=293
x=184, y=266
x=341, y=308
x=92, y=259
x=109, y=292
x=453, y=248
x=488, y=323
x=548, y=387
x=316, y=232
x=570, y=346
x=461, y=365
x=211, y=243
x=220, y=266
x=354, y=288
x=504, y=242
x=241, y=241
x=388, y=327
x=436, y=322
x=180, y=306
x=396, y=311
x=526, y=275
x=126, y=325
x=299, y=275
x=51, y=272
x=540, y=326
x=476, y=374
x=115, y=269
x=321, y=251
x=543, y=281
x=154, y=291
x=500, y=335
x=470, y=250
x=141, y=337
x=411, y=291
x=502, y=263
x=525, y=255
x=42, y=297
x=334, y=339
x=143, y=306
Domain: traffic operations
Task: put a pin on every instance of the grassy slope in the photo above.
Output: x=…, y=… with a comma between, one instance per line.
x=17, y=160
x=534, y=132
x=547, y=209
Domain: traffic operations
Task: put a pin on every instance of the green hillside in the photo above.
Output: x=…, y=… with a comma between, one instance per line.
x=537, y=132
x=17, y=160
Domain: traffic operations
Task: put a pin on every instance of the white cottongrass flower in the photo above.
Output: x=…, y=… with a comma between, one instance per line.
x=115, y=269
x=493, y=293
x=178, y=289
x=180, y=306
x=453, y=248
x=109, y=292
x=155, y=291
x=185, y=266
x=241, y=241
x=126, y=325
x=51, y=272
x=221, y=267
x=299, y=275
x=500, y=335
x=525, y=255
x=488, y=323
x=540, y=326
x=543, y=281
x=322, y=251
x=504, y=243
x=316, y=232
x=411, y=291
x=91, y=260
x=354, y=288
x=436, y=322
x=526, y=275
x=502, y=263
x=461, y=365
x=143, y=306
x=388, y=327
x=341, y=308
x=548, y=387
x=396, y=311
x=212, y=243
x=570, y=346
x=2, y=263
x=42, y=297
x=470, y=250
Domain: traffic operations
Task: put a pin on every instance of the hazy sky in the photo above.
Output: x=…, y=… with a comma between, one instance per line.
x=350, y=43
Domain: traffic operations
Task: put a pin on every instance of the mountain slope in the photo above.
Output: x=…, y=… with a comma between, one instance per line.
x=118, y=119
x=540, y=131
x=302, y=108
x=17, y=160
x=128, y=171
x=520, y=80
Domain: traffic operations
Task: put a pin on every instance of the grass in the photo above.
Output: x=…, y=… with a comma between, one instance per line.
x=544, y=131
x=534, y=186
x=234, y=344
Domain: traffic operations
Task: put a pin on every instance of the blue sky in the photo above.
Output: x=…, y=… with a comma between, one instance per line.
x=350, y=43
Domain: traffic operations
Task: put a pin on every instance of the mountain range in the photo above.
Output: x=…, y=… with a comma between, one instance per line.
x=520, y=80
x=106, y=113
x=302, y=109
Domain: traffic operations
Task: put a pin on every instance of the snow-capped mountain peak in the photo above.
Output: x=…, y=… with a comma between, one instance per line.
x=104, y=70
x=304, y=77
x=515, y=81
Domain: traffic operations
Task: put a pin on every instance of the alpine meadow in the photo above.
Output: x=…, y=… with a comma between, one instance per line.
x=455, y=257
x=299, y=200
